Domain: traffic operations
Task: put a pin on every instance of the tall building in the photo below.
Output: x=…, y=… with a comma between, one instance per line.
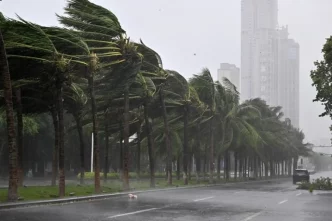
x=269, y=59
x=259, y=50
x=288, y=78
x=231, y=72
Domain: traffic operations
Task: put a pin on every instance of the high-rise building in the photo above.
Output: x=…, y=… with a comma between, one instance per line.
x=259, y=50
x=288, y=77
x=269, y=59
x=231, y=72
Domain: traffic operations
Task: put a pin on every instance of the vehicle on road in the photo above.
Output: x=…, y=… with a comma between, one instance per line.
x=301, y=175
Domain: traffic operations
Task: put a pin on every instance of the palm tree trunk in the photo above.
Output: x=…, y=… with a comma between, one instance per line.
x=96, y=153
x=138, y=157
x=295, y=162
x=260, y=168
x=289, y=167
x=178, y=168
x=19, y=115
x=218, y=166
x=241, y=167
x=211, y=169
x=168, y=140
x=126, y=140
x=55, y=158
x=266, y=169
x=106, y=165
x=249, y=167
x=121, y=151
x=190, y=161
x=245, y=167
x=185, y=146
x=205, y=162
x=255, y=167
x=82, y=147
x=272, y=169
x=150, y=145
x=235, y=165
x=198, y=168
x=227, y=165
x=62, y=184
x=12, y=148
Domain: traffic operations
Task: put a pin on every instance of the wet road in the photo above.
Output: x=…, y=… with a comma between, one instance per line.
x=272, y=201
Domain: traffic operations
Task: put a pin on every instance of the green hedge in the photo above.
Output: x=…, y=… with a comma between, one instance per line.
x=132, y=175
x=90, y=175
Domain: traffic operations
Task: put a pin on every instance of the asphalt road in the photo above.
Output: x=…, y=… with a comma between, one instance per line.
x=270, y=201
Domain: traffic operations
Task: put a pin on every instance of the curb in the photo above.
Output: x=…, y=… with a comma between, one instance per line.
x=113, y=195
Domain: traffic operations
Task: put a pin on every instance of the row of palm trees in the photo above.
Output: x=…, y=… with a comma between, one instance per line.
x=119, y=88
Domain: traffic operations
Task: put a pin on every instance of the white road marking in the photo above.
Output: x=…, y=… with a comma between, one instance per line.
x=298, y=194
x=284, y=201
x=132, y=213
x=252, y=216
x=204, y=199
x=237, y=192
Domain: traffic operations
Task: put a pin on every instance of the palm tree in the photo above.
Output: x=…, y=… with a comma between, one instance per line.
x=152, y=68
x=232, y=118
x=205, y=87
x=4, y=69
x=148, y=89
x=183, y=101
x=99, y=32
x=168, y=138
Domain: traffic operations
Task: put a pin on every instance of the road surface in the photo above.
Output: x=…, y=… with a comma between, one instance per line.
x=273, y=201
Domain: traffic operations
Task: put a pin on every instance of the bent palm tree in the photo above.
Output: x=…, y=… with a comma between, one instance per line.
x=4, y=70
x=99, y=28
x=205, y=87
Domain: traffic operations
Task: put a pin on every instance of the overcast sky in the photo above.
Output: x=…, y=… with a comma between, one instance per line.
x=178, y=29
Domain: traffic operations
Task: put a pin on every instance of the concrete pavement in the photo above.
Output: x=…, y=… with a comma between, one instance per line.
x=271, y=201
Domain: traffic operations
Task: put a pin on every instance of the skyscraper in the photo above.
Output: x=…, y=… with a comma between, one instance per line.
x=269, y=59
x=231, y=72
x=288, y=78
x=259, y=50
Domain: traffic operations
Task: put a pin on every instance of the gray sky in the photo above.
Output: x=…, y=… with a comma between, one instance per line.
x=177, y=29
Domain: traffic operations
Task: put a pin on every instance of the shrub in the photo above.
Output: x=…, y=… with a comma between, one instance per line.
x=311, y=188
x=318, y=184
x=91, y=175
x=304, y=185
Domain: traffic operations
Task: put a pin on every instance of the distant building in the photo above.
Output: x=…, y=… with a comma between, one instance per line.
x=231, y=72
x=269, y=59
x=289, y=77
x=259, y=50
